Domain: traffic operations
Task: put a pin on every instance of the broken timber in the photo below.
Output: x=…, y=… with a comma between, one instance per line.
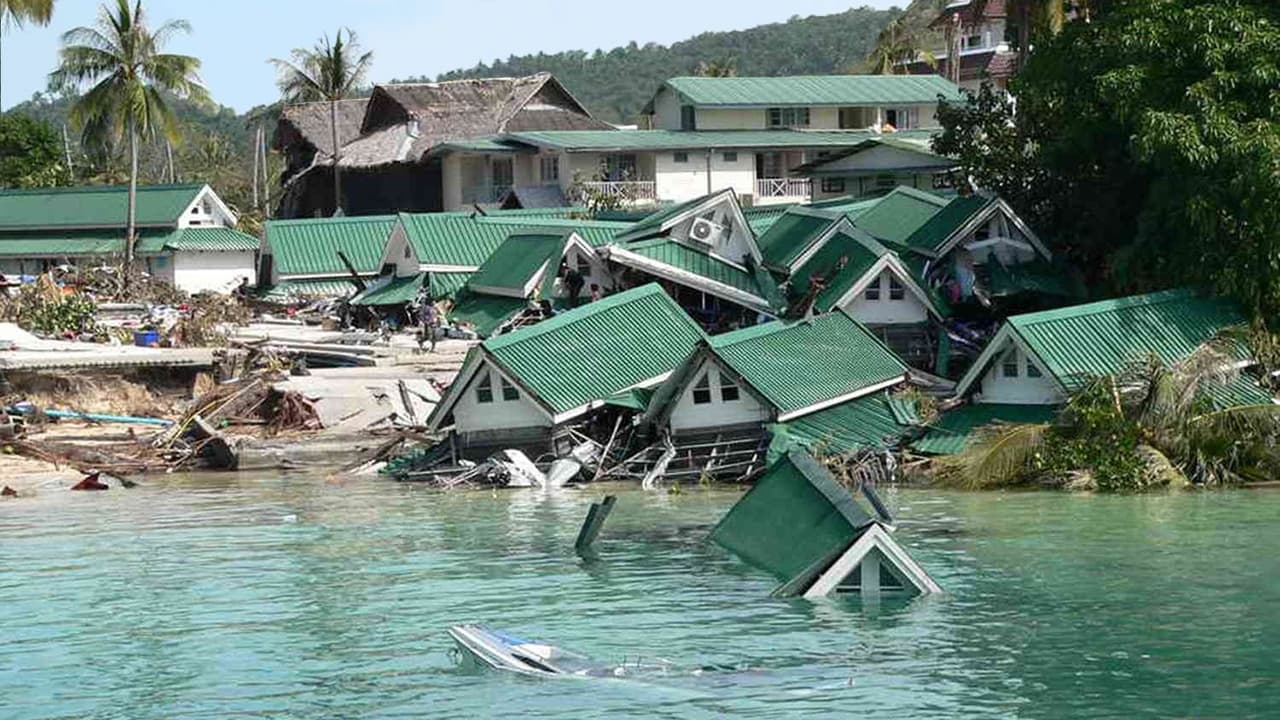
x=596, y=516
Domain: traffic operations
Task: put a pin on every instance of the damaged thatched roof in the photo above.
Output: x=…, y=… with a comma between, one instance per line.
x=404, y=121
x=309, y=123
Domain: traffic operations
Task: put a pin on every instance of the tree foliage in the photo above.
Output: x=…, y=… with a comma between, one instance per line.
x=1148, y=140
x=30, y=154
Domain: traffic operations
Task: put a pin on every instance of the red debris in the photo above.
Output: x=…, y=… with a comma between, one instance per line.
x=90, y=482
x=8, y=492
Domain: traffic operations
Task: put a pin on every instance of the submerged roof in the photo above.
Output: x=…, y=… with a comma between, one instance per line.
x=591, y=352
x=899, y=214
x=812, y=90
x=802, y=366
x=1076, y=343
x=866, y=423
x=954, y=429
x=795, y=517
x=103, y=206
x=310, y=246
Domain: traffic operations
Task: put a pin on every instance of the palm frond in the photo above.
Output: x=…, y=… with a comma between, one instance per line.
x=15, y=13
x=999, y=455
x=1159, y=470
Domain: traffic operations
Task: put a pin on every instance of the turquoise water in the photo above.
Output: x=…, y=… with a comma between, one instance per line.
x=232, y=597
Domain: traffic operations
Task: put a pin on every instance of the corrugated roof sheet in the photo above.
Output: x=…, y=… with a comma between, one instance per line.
x=935, y=231
x=865, y=423
x=293, y=290
x=485, y=313
x=792, y=233
x=899, y=214
x=953, y=430
x=522, y=255
x=1083, y=341
x=591, y=352
x=73, y=243
x=682, y=257
x=653, y=222
x=815, y=90
x=397, y=291
x=467, y=240
x=310, y=246
x=796, y=365
x=211, y=239
x=447, y=284
x=103, y=206
x=55, y=246
x=621, y=140
x=840, y=263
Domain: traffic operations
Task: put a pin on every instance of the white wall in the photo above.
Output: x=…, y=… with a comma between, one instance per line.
x=687, y=416
x=213, y=271
x=599, y=274
x=1022, y=390
x=666, y=110
x=729, y=119
x=451, y=181
x=205, y=213
x=471, y=416
x=400, y=252
x=677, y=182
x=908, y=310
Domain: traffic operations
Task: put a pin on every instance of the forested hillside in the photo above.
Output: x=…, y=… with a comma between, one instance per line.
x=614, y=84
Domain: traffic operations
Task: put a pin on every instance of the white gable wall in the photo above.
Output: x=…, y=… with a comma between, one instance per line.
x=399, y=251
x=885, y=310
x=733, y=245
x=471, y=415
x=689, y=416
x=1015, y=386
x=678, y=182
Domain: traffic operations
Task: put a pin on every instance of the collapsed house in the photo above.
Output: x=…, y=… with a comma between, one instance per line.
x=529, y=389
x=822, y=382
x=304, y=259
x=390, y=156
x=186, y=235
x=1037, y=360
x=801, y=525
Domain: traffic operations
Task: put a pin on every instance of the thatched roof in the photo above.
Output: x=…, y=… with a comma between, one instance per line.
x=309, y=123
x=404, y=121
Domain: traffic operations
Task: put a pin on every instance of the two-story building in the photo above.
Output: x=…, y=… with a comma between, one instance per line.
x=980, y=31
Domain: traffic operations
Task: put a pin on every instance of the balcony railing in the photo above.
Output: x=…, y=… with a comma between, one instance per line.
x=484, y=194
x=784, y=187
x=631, y=190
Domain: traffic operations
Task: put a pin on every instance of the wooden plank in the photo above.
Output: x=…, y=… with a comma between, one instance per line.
x=596, y=516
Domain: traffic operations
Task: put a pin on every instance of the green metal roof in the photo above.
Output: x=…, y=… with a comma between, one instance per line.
x=594, y=232
x=1240, y=391
x=691, y=260
x=653, y=222
x=1083, y=341
x=103, y=206
x=659, y=140
x=792, y=233
x=939, y=228
x=447, y=284
x=865, y=423
x=310, y=246
x=917, y=142
x=593, y=351
x=467, y=239
x=201, y=239
x=954, y=429
x=897, y=215
x=1040, y=277
x=858, y=252
x=396, y=292
x=81, y=243
x=815, y=90
x=631, y=399
x=485, y=313
x=794, y=516
x=25, y=245
x=796, y=365
x=293, y=290
x=521, y=256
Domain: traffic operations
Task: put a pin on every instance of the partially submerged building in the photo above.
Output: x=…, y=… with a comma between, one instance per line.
x=801, y=525
x=186, y=235
x=528, y=388
x=1037, y=360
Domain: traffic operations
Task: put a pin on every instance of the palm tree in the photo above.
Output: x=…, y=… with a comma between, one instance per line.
x=894, y=47
x=328, y=72
x=1151, y=424
x=121, y=58
x=13, y=13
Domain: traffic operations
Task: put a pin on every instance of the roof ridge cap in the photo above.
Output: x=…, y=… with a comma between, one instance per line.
x=1098, y=307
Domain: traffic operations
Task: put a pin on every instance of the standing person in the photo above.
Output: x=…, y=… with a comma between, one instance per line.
x=428, y=321
x=596, y=294
x=573, y=281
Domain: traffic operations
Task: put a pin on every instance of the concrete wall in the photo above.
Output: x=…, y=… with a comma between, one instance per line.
x=212, y=271
x=451, y=181
x=885, y=311
x=470, y=415
x=688, y=416
x=729, y=119
x=678, y=182
x=998, y=388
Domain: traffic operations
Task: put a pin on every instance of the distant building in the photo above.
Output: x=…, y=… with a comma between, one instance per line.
x=185, y=234
x=985, y=54
x=390, y=159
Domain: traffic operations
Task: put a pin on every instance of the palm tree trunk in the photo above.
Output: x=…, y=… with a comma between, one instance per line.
x=337, y=182
x=131, y=231
x=1024, y=33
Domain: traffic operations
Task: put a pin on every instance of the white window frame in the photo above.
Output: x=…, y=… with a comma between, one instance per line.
x=549, y=169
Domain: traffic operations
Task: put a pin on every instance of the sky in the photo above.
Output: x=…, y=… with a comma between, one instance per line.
x=235, y=38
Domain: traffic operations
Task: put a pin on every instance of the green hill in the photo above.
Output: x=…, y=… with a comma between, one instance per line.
x=614, y=84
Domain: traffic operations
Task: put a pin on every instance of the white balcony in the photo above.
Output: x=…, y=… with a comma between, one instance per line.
x=631, y=191
x=783, y=189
